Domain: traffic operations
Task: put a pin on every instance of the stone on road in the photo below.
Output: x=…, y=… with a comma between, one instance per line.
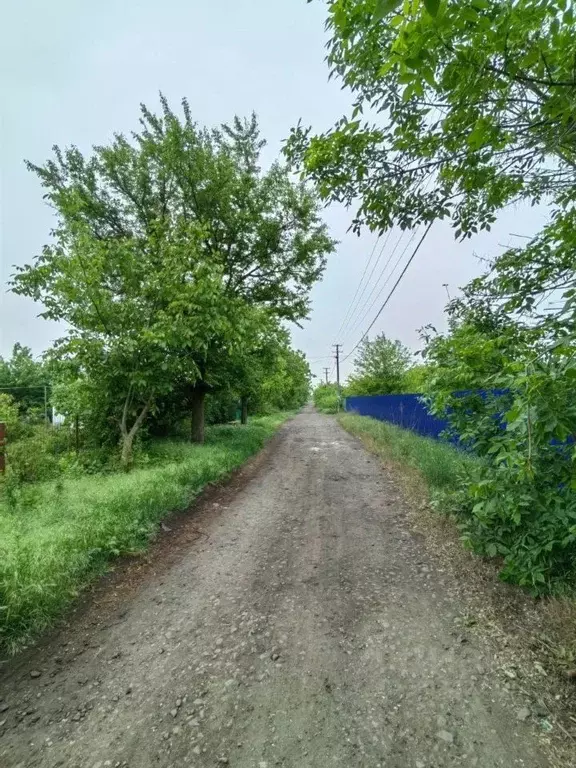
x=305, y=627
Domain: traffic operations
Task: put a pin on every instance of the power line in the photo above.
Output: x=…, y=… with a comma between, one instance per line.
x=381, y=290
x=354, y=325
x=353, y=309
x=396, y=284
x=368, y=262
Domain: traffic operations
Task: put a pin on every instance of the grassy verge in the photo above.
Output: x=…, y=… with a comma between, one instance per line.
x=56, y=536
x=440, y=464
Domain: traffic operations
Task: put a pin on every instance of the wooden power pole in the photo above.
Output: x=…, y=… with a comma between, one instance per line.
x=337, y=356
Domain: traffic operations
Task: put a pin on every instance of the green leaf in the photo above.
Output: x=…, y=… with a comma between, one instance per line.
x=384, y=7
x=384, y=69
x=432, y=6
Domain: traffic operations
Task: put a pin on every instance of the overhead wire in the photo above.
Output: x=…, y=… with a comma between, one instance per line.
x=361, y=289
x=367, y=283
x=363, y=312
x=349, y=313
x=342, y=324
x=391, y=293
x=368, y=309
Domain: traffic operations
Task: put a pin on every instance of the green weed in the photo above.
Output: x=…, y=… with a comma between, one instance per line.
x=57, y=536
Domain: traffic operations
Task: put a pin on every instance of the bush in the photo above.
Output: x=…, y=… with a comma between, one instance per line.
x=415, y=379
x=521, y=505
x=56, y=536
x=9, y=415
x=36, y=456
x=326, y=398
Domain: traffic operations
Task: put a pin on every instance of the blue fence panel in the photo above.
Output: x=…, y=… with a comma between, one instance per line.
x=406, y=411
x=410, y=411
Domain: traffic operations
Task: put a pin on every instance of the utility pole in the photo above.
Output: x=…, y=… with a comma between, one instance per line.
x=326, y=372
x=337, y=356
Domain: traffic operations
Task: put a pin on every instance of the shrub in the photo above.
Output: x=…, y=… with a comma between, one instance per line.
x=521, y=504
x=326, y=398
x=41, y=453
x=10, y=416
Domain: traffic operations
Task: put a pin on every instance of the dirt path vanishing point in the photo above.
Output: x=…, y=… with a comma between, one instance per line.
x=305, y=626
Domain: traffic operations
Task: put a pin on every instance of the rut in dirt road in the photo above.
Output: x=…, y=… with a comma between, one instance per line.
x=306, y=627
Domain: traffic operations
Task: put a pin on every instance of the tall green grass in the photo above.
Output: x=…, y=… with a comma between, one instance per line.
x=56, y=536
x=441, y=464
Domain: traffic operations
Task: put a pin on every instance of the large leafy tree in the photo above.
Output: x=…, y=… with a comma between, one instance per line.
x=286, y=384
x=164, y=242
x=379, y=367
x=137, y=317
x=235, y=376
x=255, y=367
x=268, y=375
x=471, y=104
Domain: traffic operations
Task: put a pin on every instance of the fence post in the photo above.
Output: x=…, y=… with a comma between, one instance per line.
x=2, y=447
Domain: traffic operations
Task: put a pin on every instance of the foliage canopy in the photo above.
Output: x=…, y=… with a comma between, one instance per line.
x=379, y=367
x=171, y=249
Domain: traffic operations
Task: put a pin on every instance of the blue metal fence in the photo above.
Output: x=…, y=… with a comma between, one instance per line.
x=406, y=411
x=410, y=411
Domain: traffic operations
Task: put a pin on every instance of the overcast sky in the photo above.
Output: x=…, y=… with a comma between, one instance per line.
x=75, y=72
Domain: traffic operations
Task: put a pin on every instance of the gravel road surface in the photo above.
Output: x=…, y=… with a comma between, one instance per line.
x=303, y=626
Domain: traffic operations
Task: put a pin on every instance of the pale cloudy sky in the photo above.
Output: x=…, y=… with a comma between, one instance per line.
x=75, y=71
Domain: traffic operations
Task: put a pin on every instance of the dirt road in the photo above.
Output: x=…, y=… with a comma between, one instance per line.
x=304, y=627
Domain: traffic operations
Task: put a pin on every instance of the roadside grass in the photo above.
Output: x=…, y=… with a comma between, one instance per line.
x=440, y=464
x=55, y=537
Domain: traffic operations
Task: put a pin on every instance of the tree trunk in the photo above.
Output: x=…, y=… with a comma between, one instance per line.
x=77, y=434
x=129, y=435
x=126, y=455
x=244, y=410
x=197, y=416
